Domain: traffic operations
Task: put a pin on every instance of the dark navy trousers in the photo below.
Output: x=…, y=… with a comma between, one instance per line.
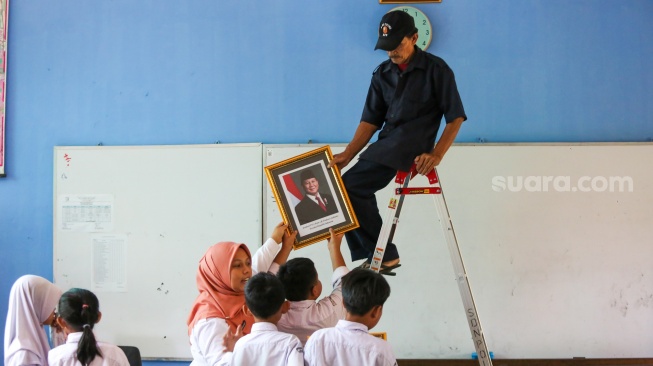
x=362, y=181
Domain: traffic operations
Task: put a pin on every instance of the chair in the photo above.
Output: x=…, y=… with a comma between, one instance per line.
x=133, y=355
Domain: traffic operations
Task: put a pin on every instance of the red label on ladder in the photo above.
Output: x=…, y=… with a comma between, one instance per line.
x=376, y=259
x=393, y=203
x=419, y=190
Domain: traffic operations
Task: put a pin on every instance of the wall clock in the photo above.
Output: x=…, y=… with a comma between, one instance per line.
x=422, y=23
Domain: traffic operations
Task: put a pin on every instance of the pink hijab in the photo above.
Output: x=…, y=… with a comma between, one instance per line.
x=217, y=299
x=31, y=301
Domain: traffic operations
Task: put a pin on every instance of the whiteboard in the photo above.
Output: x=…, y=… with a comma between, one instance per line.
x=560, y=265
x=132, y=222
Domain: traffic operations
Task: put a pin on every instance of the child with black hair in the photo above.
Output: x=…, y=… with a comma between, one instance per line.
x=79, y=311
x=349, y=343
x=303, y=288
x=265, y=345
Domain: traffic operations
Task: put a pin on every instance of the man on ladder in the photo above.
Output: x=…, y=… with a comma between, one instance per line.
x=407, y=98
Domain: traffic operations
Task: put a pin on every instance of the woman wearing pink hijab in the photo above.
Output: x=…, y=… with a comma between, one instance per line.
x=32, y=302
x=221, y=278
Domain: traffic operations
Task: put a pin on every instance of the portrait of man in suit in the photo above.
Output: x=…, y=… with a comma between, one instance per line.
x=315, y=204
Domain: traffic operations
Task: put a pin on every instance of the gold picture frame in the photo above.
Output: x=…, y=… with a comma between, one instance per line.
x=408, y=1
x=294, y=180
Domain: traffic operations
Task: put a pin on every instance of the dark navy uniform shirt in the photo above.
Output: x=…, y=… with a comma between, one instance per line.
x=408, y=107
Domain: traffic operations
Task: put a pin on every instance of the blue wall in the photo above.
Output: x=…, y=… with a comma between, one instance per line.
x=137, y=72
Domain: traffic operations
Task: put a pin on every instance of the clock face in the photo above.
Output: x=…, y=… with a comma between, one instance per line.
x=422, y=24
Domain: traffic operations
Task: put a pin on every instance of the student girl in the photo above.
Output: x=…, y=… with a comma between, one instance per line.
x=79, y=311
x=32, y=301
x=217, y=315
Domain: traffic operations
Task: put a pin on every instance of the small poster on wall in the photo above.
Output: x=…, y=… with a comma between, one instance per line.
x=4, y=8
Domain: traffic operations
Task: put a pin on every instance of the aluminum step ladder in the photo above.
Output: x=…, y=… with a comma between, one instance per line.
x=387, y=233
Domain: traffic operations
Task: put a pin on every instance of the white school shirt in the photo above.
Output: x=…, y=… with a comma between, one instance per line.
x=349, y=343
x=66, y=354
x=266, y=346
x=305, y=317
x=206, y=336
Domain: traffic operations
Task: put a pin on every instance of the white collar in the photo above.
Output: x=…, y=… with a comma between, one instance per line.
x=263, y=327
x=74, y=337
x=349, y=325
x=303, y=304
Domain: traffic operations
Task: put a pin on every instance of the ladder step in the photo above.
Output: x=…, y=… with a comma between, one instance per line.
x=419, y=190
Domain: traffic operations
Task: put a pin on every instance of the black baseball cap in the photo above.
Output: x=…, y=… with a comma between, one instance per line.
x=394, y=26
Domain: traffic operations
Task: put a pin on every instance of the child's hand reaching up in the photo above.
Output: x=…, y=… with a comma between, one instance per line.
x=286, y=246
x=334, y=249
x=289, y=239
x=278, y=232
x=335, y=240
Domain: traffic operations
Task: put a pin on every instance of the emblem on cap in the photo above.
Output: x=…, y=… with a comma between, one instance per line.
x=385, y=29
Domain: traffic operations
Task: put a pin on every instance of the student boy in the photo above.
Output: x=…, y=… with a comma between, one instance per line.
x=302, y=287
x=265, y=346
x=349, y=343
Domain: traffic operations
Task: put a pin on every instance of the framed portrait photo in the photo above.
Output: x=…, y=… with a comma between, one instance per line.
x=311, y=198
